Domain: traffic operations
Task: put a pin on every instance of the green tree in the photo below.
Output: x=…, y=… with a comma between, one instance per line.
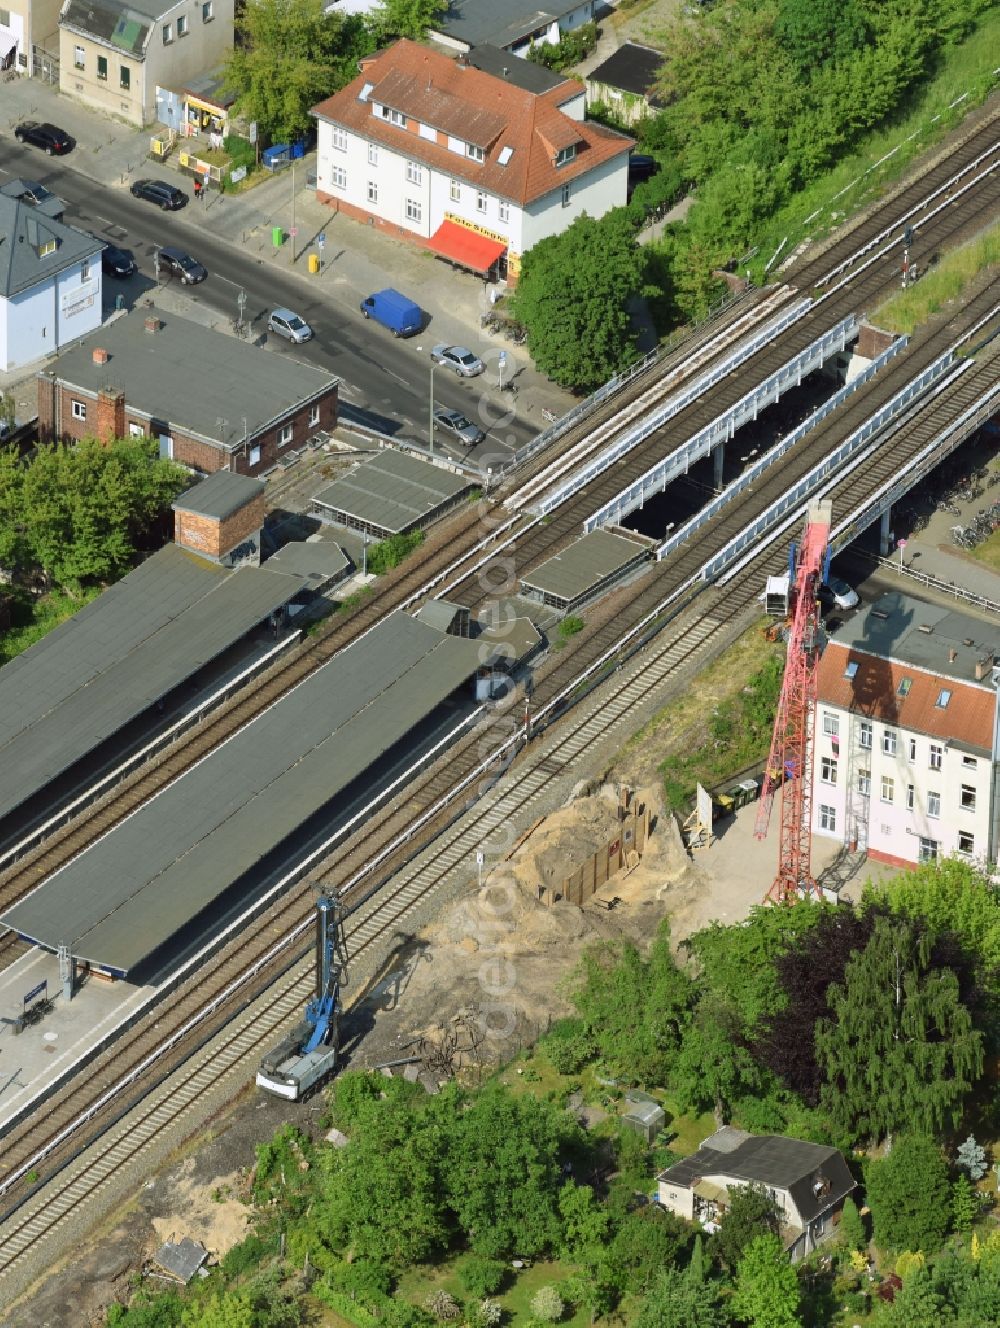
x=899, y=1049
x=647, y=1241
x=713, y=1068
x=767, y=1288
x=852, y=1227
x=916, y=1305
x=290, y=54
x=573, y=297
x=679, y=1300
x=634, y=1009
x=814, y=31
x=403, y=18
x=585, y=1221
x=964, y=1207
x=752, y=1213
x=229, y=1309
x=547, y=1304
x=909, y=1196
x=14, y=542
x=503, y=1172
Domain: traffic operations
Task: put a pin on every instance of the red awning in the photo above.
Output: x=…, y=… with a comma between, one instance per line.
x=466, y=248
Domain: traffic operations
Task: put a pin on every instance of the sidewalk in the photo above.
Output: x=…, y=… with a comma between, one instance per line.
x=357, y=259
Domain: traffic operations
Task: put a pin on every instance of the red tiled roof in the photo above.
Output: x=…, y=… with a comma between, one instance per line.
x=874, y=692
x=467, y=103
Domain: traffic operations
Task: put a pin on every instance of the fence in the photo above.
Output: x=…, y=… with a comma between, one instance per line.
x=622, y=851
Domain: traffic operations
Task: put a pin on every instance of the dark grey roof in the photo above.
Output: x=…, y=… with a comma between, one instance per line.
x=181, y=1259
x=220, y=495
x=585, y=564
x=82, y=682
x=893, y=628
x=392, y=490
x=632, y=68
x=24, y=230
x=125, y=27
x=775, y=1162
x=132, y=890
x=497, y=22
x=212, y=88
x=191, y=377
x=317, y=561
x=523, y=74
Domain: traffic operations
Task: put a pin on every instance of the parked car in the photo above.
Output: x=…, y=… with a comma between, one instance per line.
x=289, y=325
x=400, y=315
x=455, y=423
x=465, y=364
x=49, y=137
x=839, y=593
x=166, y=196
x=180, y=264
x=117, y=262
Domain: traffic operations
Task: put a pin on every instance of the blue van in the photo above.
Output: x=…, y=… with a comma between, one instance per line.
x=401, y=316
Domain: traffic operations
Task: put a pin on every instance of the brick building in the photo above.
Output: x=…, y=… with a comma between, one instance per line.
x=212, y=402
x=221, y=518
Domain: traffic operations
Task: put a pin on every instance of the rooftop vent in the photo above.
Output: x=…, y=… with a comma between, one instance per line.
x=952, y=654
x=100, y=355
x=984, y=665
x=152, y=323
x=968, y=641
x=926, y=628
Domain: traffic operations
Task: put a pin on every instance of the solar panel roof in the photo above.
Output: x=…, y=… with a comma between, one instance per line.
x=132, y=890
x=117, y=656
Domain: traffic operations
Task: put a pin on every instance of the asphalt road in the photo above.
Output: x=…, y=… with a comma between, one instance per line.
x=386, y=383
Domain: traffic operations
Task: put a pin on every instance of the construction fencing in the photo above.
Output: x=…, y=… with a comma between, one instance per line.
x=621, y=853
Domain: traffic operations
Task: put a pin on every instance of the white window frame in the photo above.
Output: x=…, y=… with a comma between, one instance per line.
x=338, y=177
x=865, y=734
x=372, y=191
x=565, y=155
x=79, y=57
x=967, y=798
x=504, y=210
x=969, y=762
x=314, y=413
x=888, y=742
x=182, y=25
x=339, y=138
x=208, y=11
x=255, y=455
x=911, y=797
x=481, y=200
x=85, y=270
x=372, y=154
x=827, y=817
x=414, y=211
x=913, y=749
x=136, y=430
x=865, y=783
x=396, y=118
x=285, y=434
x=102, y=68
x=125, y=78
x=828, y=770
x=966, y=843
x=455, y=192
x=79, y=410
x=477, y=154
x=935, y=756
x=929, y=850
x=168, y=34
x=414, y=173
x=888, y=794
x=565, y=195
x=831, y=724
x=934, y=804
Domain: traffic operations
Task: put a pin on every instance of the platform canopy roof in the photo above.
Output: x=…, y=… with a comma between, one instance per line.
x=131, y=891
x=117, y=656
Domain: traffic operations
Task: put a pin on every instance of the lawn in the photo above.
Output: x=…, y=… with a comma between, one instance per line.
x=989, y=552
x=418, y=1283
x=944, y=283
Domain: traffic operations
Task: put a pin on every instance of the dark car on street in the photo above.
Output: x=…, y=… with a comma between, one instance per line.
x=118, y=262
x=166, y=196
x=49, y=137
x=179, y=264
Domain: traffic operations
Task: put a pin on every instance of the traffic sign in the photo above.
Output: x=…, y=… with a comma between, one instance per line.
x=293, y=231
x=901, y=544
x=503, y=359
x=321, y=239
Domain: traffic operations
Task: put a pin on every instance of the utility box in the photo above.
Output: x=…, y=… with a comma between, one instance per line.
x=276, y=158
x=776, y=596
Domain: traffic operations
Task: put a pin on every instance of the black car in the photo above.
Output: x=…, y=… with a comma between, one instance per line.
x=166, y=196
x=118, y=262
x=180, y=264
x=49, y=137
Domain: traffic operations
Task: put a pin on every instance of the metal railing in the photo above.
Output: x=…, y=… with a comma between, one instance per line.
x=723, y=427
x=753, y=473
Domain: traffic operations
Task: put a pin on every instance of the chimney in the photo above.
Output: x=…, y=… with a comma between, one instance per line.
x=506, y=71
x=983, y=666
x=110, y=422
x=152, y=323
x=952, y=654
x=101, y=356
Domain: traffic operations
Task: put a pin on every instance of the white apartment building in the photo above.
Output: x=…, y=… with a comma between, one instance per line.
x=905, y=749
x=473, y=165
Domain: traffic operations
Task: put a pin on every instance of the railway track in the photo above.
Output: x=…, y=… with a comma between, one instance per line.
x=655, y=619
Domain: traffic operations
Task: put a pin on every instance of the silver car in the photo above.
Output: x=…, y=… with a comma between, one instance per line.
x=289, y=325
x=465, y=364
x=455, y=423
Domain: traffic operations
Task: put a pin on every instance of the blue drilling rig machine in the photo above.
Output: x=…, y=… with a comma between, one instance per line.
x=308, y=1056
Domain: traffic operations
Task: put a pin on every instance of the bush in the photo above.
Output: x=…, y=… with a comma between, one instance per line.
x=547, y=1305
x=482, y=1277
x=240, y=151
x=568, y=1046
x=244, y=1256
x=385, y=555
x=569, y=626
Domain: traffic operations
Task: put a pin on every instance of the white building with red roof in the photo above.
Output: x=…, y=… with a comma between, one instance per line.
x=905, y=757
x=476, y=166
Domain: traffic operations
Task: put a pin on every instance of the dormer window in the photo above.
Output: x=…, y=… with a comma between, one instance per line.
x=46, y=247
x=566, y=155
x=394, y=117
x=477, y=154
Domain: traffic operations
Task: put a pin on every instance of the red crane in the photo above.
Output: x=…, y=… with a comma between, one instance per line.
x=791, y=743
